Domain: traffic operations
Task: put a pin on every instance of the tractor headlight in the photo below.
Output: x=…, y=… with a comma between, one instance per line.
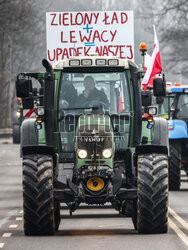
x=40, y=111
x=18, y=114
x=152, y=110
x=82, y=153
x=107, y=153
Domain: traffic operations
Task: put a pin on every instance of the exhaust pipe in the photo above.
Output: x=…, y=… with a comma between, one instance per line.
x=47, y=65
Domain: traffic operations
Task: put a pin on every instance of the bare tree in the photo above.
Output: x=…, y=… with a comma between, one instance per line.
x=22, y=33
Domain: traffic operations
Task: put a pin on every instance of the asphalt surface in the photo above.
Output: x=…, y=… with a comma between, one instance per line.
x=89, y=227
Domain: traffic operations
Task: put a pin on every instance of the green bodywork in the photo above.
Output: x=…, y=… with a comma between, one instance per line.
x=149, y=133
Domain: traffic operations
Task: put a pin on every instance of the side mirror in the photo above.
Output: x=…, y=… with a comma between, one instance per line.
x=159, y=87
x=28, y=102
x=146, y=98
x=23, y=88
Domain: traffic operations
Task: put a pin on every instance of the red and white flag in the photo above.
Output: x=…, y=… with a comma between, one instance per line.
x=121, y=99
x=147, y=61
x=155, y=65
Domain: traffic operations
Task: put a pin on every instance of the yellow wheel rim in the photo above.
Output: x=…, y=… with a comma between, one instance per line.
x=95, y=184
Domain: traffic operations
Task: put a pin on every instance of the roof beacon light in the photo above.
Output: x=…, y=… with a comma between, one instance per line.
x=143, y=47
x=100, y=62
x=177, y=84
x=86, y=62
x=74, y=62
x=113, y=62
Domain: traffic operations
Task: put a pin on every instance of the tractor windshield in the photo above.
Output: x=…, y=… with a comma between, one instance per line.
x=181, y=111
x=81, y=91
x=93, y=93
x=162, y=107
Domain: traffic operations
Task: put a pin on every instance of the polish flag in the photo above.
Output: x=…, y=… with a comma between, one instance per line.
x=147, y=61
x=121, y=99
x=155, y=65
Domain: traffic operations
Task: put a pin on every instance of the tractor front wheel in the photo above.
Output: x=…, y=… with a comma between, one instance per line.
x=152, y=201
x=38, y=200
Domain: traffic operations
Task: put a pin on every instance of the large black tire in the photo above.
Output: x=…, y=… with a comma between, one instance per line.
x=16, y=134
x=38, y=200
x=152, y=201
x=174, y=167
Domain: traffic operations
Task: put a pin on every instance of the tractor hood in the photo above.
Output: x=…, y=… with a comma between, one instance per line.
x=177, y=129
x=94, y=135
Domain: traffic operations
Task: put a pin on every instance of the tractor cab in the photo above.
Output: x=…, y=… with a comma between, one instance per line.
x=93, y=101
x=179, y=107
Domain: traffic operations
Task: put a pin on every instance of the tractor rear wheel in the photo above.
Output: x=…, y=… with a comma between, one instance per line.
x=152, y=201
x=38, y=200
x=174, y=167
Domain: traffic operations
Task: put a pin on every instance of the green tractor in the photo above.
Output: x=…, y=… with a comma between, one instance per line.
x=89, y=144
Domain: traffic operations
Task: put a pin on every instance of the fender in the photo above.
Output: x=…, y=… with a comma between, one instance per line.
x=161, y=132
x=158, y=138
x=177, y=129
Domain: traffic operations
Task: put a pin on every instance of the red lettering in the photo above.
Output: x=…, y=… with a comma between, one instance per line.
x=105, y=51
x=62, y=41
x=124, y=17
x=78, y=52
x=98, y=50
x=86, y=50
x=116, y=47
x=72, y=51
x=77, y=17
x=96, y=15
x=131, y=52
x=59, y=19
x=65, y=19
x=89, y=19
x=54, y=16
x=72, y=36
x=111, y=51
x=85, y=38
x=65, y=54
x=51, y=59
x=113, y=35
x=105, y=19
x=71, y=20
x=96, y=36
x=114, y=18
x=58, y=53
x=121, y=51
x=102, y=38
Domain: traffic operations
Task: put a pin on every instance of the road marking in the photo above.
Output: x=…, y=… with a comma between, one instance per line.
x=178, y=218
x=19, y=218
x=6, y=235
x=2, y=245
x=10, y=214
x=21, y=212
x=13, y=226
x=178, y=231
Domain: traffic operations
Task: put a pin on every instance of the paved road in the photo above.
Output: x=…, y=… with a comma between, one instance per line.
x=89, y=228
